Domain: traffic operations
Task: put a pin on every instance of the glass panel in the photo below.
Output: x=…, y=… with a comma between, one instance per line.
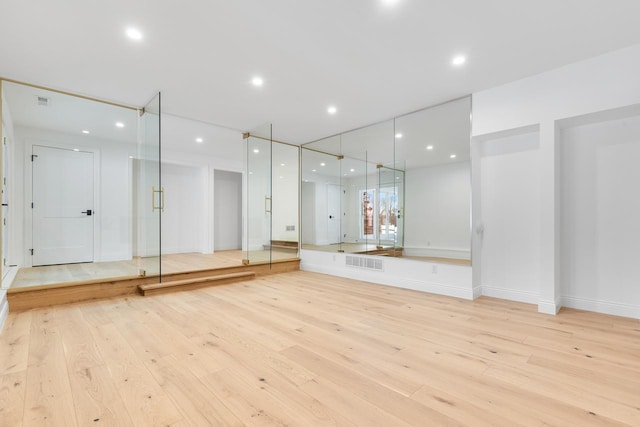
x=259, y=197
x=285, y=191
x=366, y=151
x=54, y=143
x=435, y=151
x=150, y=196
x=322, y=196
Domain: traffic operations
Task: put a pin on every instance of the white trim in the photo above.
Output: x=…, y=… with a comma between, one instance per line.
x=444, y=279
x=477, y=292
x=605, y=307
x=511, y=294
x=4, y=308
x=549, y=307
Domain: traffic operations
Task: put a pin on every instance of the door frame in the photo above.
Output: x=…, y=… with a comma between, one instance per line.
x=28, y=194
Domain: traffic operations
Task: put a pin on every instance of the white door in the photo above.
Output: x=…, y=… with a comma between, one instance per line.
x=63, y=210
x=333, y=213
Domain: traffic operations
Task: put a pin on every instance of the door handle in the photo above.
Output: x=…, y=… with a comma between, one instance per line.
x=89, y=212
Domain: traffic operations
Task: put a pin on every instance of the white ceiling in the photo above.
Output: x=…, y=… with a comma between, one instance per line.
x=371, y=61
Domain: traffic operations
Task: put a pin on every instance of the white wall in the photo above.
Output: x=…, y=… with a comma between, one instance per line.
x=437, y=210
x=308, y=213
x=184, y=218
x=444, y=279
x=603, y=83
x=113, y=207
x=227, y=210
x=600, y=227
x=509, y=181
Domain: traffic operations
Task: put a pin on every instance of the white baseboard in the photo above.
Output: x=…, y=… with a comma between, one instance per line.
x=4, y=308
x=511, y=294
x=477, y=291
x=436, y=252
x=549, y=307
x=605, y=307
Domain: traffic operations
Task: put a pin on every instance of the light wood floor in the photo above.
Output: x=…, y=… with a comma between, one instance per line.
x=171, y=263
x=308, y=349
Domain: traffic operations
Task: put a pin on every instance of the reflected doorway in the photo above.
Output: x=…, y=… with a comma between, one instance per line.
x=62, y=209
x=227, y=211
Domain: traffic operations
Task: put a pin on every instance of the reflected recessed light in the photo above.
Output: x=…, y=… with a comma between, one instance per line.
x=398, y=135
x=313, y=170
x=199, y=140
x=429, y=147
x=322, y=164
x=281, y=164
x=453, y=156
x=389, y=2
x=255, y=150
x=459, y=60
x=257, y=81
x=397, y=177
x=345, y=174
x=332, y=110
x=119, y=124
x=352, y=170
x=131, y=157
x=281, y=176
x=86, y=132
x=250, y=173
x=76, y=149
x=134, y=34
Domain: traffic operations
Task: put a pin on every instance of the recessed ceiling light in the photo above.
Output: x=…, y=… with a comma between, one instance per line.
x=322, y=164
x=345, y=174
x=134, y=34
x=119, y=124
x=313, y=170
x=352, y=170
x=332, y=110
x=131, y=157
x=389, y=2
x=255, y=150
x=281, y=176
x=398, y=135
x=257, y=81
x=281, y=164
x=199, y=140
x=459, y=60
x=397, y=177
x=250, y=173
x=453, y=156
x=429, y=147
x=76, y=149
x=86, y=132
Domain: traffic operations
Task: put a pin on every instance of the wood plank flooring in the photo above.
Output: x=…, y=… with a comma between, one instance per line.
x=309, y=349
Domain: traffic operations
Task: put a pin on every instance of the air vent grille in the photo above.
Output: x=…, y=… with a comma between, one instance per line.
x=364, y=263
x=43, y=101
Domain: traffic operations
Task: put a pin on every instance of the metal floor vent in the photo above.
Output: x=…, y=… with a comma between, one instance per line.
x=366, y=263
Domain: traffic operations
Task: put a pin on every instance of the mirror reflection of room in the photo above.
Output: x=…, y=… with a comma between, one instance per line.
x=83, y=191
x=397, y=188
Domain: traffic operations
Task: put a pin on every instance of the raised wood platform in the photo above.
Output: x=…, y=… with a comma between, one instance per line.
x=64, y=293
x=284, y=245
x=189, y=284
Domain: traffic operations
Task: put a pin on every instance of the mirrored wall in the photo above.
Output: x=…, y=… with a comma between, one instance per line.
x=273, y=187
x=396, y=188
x=82, y=196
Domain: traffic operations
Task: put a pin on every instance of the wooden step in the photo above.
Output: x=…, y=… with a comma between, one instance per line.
x=188, y=284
